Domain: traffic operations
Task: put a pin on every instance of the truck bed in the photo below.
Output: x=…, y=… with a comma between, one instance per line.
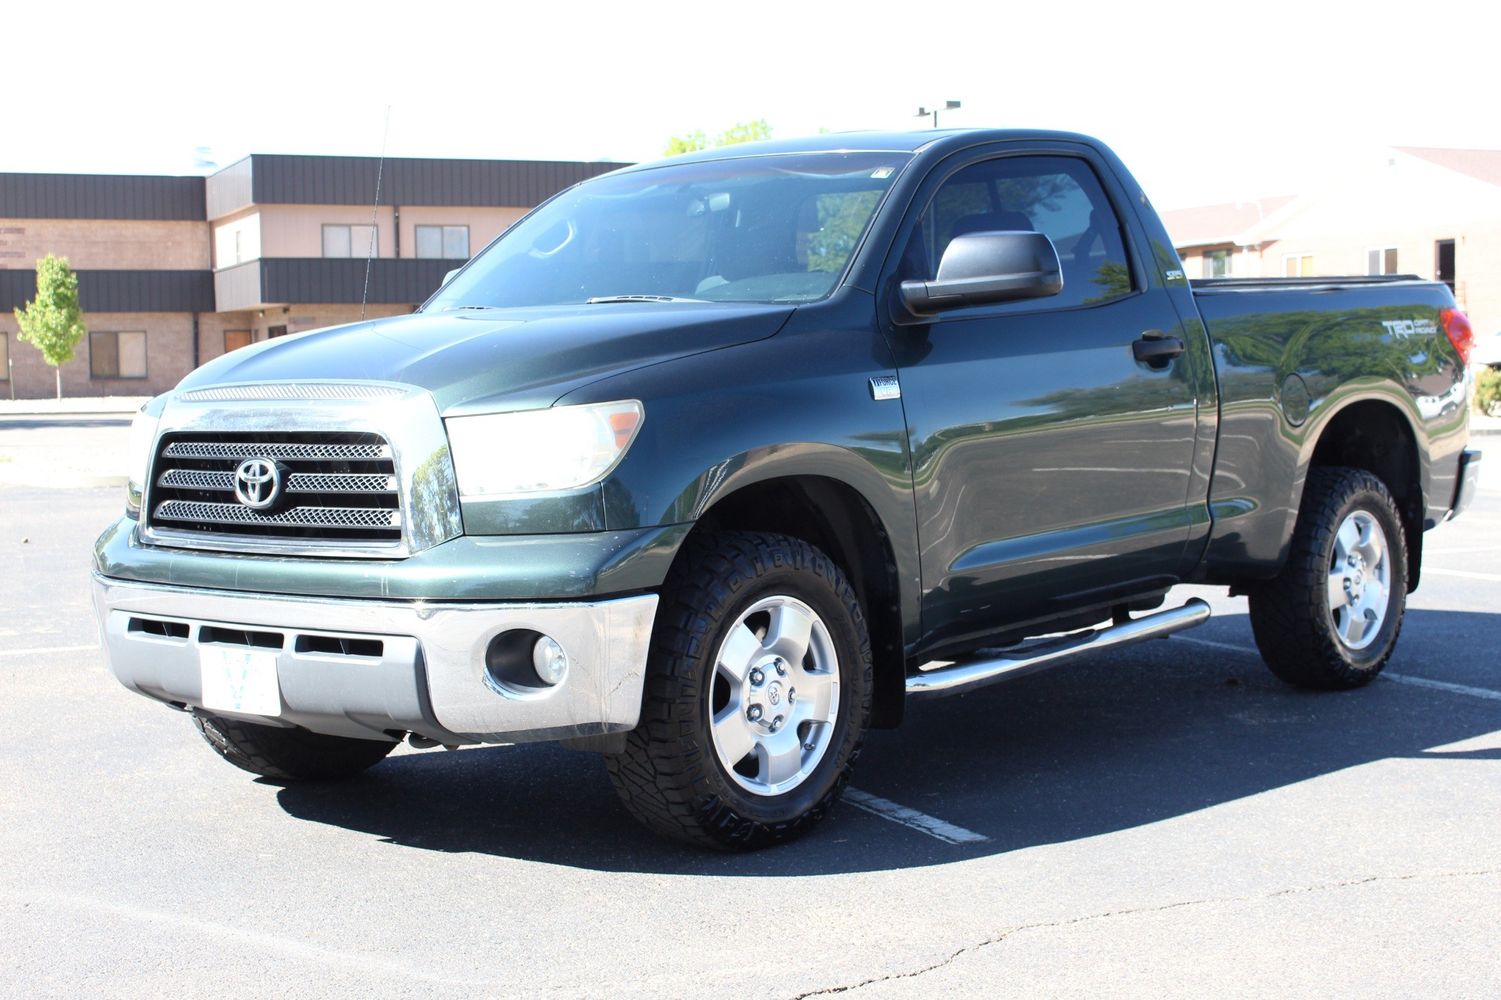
x=1291, y=354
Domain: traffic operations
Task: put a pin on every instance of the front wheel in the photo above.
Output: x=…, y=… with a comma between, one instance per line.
x=757, y=695
x=1331, y=618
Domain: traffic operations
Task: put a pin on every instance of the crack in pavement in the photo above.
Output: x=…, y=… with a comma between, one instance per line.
x=1134, y=911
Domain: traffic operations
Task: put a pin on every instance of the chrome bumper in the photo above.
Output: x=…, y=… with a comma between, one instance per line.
x=414, y=667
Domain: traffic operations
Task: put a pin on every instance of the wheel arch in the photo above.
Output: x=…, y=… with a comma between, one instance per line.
x=1375, y=435
x=833, y=516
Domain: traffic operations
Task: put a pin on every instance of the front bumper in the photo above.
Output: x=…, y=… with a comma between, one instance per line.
x=414, y=666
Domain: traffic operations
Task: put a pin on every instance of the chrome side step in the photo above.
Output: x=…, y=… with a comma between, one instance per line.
x=966, y=675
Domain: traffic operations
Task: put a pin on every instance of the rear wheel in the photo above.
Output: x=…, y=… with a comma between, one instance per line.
x=288, y=754
x=757, y=696
x=1331, y=618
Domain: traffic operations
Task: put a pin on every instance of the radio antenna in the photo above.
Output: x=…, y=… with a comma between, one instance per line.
x=380, y=169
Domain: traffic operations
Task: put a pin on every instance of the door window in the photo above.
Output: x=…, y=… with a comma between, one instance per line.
x=1057, y=196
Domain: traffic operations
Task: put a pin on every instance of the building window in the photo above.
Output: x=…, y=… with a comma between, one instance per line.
x=1298, y=266
x=350, y=241
x=236, y=339
x=117, y=355
x=1383, y=261
x=4, y=357
x=1217, y=264
x=446, y=242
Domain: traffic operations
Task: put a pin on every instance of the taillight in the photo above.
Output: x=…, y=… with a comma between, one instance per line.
x=1457, y=326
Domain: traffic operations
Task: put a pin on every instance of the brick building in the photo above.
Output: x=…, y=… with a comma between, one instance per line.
x=174, y=271
x=1435, y=213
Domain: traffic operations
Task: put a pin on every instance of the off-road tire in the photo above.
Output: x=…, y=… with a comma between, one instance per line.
x=670, y=776
x=1291, y=614
x=288, y=755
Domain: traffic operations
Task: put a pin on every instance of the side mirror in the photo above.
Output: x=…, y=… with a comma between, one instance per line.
x=982, y=268
x=449, y=276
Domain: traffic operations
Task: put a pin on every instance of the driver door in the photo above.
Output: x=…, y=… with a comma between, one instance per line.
x=1051, y=468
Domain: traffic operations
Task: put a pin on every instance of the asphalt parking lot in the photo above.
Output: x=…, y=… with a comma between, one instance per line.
x=1166, y=819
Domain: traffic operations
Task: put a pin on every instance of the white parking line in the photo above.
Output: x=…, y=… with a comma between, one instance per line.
x=1422, y=682
x=1215, y=645
x=1467, y=574
x=43, y=650
x=911, y=818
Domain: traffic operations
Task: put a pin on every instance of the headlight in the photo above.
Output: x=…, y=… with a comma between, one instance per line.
x=138, y=456
x=541, y=451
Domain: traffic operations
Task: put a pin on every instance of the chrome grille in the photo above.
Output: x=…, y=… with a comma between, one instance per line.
x=301, y=482
x=314, y=517
x=339, y=487
x=276, y=449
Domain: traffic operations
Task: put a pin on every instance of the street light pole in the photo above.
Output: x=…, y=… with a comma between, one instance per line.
x=925, y=112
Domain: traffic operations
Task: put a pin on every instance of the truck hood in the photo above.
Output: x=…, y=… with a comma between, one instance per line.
x=488, y=360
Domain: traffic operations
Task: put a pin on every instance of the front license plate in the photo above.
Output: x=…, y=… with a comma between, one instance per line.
x=236, y=679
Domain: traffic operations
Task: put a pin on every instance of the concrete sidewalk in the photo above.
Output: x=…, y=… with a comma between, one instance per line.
x=90, y=405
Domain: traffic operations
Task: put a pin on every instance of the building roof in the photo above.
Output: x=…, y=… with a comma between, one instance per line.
x=1481, y=164
x=1206, y=225
x=100, y=196
x=289, y=179
x=281, y=179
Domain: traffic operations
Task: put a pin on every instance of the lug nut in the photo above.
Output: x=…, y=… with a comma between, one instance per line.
x=781, y=666
x=753, y=713
x=792, y=696
x=757, y=677
x=776, y=723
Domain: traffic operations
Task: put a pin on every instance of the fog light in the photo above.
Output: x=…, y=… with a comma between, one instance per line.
x=549, y=660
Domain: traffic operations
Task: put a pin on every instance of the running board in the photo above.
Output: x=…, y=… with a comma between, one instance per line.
x=966, y=675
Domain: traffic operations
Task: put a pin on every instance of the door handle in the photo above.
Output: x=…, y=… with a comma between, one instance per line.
x=1156, y=349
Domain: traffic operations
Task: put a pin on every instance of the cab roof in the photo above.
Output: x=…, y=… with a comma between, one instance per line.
x=940, y=141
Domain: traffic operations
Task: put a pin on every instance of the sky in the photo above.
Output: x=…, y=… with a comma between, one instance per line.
x=1205, y=103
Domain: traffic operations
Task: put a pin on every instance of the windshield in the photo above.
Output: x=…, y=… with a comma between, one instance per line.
x=754, y=229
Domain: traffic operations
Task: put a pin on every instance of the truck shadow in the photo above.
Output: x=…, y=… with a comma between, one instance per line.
x=1117, y=741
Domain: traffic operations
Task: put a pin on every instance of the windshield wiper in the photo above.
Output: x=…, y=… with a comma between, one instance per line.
x=600, y=299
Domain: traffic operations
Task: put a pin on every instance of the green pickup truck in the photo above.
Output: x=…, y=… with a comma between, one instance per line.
x=709, y=465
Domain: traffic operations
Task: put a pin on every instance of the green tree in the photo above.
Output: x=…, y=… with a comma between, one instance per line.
x=738, y=133
x=52, y=322
x=686, y=143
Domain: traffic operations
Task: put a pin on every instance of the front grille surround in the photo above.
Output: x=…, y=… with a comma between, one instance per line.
x=366, y=475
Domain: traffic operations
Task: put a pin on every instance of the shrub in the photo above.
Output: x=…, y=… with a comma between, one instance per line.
x=1488, y=391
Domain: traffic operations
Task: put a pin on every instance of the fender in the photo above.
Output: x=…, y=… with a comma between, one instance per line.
x=798, y=404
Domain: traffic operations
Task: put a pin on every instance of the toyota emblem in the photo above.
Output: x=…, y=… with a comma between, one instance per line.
x=257, y=483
